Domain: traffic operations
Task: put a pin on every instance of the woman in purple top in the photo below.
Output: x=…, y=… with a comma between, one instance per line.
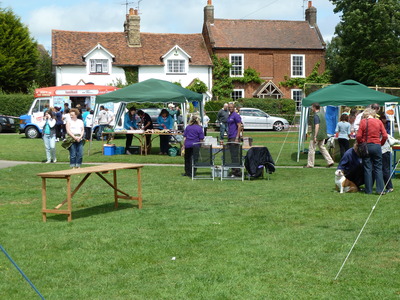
x=193, y=134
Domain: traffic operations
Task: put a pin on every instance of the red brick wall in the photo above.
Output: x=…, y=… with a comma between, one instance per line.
x=274, y=65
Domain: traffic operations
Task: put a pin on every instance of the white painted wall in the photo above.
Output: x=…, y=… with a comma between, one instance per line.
x=72, y=74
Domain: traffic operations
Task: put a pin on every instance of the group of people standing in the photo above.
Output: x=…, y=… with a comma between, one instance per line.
x=369, y=129
x=74, y=135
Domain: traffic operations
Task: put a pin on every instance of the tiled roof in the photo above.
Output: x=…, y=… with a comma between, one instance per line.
x=68, y=47
x=265, y=34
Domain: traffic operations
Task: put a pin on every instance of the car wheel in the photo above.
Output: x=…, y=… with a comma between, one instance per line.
x=31, y=132
x=278, y=126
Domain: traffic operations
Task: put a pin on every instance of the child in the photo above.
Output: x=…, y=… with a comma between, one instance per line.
x=343, y=131
x=206, y=119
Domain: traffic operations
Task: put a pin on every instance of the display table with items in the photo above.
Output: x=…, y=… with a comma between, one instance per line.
x=98, y=170
x=140, y=135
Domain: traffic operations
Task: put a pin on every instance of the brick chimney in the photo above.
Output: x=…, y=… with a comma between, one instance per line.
x=209, y=13
x=311, y=14
x=132, y=28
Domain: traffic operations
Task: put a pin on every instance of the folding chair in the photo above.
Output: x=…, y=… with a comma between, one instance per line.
x=202, y=159
x=232, y=159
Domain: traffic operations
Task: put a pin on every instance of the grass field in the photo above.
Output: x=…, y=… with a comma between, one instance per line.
x=283, y=238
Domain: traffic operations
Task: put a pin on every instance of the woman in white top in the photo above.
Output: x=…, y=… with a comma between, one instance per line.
x=75, y=131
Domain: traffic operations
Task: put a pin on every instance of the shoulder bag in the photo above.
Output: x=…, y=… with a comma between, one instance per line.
x=363, y=147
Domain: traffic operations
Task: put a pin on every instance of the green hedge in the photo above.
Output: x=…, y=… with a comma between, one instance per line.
x=277, y=107
x=15, y=104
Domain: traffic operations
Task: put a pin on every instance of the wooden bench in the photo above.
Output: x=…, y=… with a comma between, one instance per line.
x=99, y=170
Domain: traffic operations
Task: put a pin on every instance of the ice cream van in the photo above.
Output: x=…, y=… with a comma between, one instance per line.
x=57, y=96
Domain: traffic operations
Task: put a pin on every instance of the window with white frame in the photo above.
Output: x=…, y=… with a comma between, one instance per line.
x=298, y=65
x=237, y=94
x=99, y=66
x=297, y=96
x=176, y=66
x=237, y=64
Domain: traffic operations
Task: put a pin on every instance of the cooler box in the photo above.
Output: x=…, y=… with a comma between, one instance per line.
x=119, y=150
x=109, y=149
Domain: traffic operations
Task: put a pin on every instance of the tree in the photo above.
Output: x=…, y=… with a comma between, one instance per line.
x=45, y=75
x=222, y=85
x=18, y=54
x=367, y=45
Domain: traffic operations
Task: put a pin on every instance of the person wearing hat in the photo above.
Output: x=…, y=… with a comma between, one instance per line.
x=174, y=113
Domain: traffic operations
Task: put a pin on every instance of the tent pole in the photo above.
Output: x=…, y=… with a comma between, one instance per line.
x=96, y=108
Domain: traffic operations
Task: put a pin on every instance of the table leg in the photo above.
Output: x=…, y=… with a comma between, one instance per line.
x=44, y=199
x=139, y=183
x=69, y=199
x=115, y=189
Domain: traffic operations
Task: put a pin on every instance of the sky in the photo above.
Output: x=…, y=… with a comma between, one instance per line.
x=157, y=16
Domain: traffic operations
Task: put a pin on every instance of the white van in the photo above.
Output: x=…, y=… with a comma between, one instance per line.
x=85, y=95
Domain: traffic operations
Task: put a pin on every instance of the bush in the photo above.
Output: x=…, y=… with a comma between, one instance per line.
x=277, y=107
x=15, y=104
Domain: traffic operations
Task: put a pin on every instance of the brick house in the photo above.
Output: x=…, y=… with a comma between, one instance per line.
x=275, y=49
x=107, y=57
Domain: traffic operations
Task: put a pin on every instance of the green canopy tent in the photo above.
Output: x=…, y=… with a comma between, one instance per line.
x=349, y=93
x=150, y=91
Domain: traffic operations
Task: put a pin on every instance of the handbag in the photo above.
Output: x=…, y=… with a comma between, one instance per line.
x=363, y=147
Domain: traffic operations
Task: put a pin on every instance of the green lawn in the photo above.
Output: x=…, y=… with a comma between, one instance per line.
x=282, y=145
x=283, y=238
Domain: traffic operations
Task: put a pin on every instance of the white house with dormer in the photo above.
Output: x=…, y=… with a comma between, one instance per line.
x=105, y=58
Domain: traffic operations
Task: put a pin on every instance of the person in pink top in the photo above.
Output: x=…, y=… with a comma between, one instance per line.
x=372, y=132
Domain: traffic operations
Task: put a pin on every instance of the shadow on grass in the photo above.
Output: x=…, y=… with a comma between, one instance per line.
x=93, y=211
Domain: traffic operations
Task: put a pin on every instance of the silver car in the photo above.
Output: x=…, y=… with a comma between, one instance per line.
x=254, y=118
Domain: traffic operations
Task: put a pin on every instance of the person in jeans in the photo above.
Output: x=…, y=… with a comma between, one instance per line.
x=222, y=118
x=75, y=131
x=102, y=119
x=375, y=136
x=343, y=131
x=49, y=136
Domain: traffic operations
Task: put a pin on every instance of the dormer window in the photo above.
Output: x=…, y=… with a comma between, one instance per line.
x=176, y=61
x=176, y=66
x=99, y=66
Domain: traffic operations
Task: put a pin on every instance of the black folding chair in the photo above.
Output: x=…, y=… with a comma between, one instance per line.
x=232, y=159
x=202, y=159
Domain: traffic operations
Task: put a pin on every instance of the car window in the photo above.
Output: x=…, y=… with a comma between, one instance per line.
x=3, y=120
x=245, y=113
x=11, y=120
x=259, y=114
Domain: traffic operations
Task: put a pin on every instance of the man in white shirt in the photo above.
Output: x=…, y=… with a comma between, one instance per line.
x=102, y=119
